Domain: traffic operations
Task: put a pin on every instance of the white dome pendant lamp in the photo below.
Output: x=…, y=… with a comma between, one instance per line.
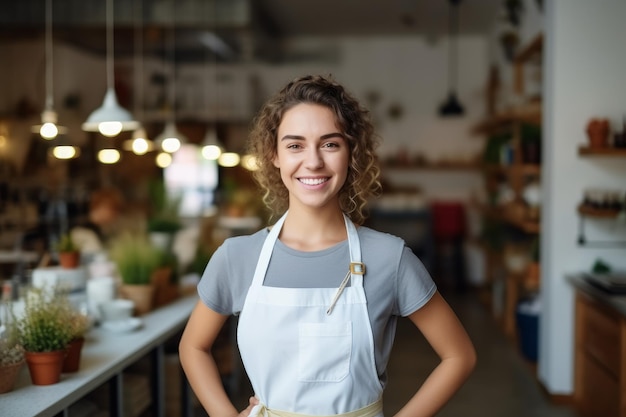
x=171, y=139
x=110, y=119
x=48, y=129
x=139, y=144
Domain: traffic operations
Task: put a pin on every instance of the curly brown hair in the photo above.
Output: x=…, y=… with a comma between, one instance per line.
x=354, y=121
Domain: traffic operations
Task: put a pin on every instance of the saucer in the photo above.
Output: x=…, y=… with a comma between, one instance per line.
x=122, y=326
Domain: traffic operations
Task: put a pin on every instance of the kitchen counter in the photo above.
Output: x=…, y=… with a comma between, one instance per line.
x=600, y=350
x=105, y=355
x=617, y=302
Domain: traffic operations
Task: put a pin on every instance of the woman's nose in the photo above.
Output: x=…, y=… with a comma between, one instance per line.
x=314, y=159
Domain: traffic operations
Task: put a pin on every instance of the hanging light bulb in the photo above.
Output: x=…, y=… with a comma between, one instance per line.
x=110, y=119
x=109, y=156
x=163, y=160
x=139, y=144
x=229, y=159
x=48, y=128
x=65, y=152
x=171, y=139
x=211, y=146
x=452, y=107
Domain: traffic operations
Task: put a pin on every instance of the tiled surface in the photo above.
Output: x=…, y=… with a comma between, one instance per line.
x=502, y=384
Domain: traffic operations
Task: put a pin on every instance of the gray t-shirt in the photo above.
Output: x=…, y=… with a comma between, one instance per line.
x=395, y=283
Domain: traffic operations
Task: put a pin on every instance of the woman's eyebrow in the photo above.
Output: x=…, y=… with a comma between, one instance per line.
x=326, y=136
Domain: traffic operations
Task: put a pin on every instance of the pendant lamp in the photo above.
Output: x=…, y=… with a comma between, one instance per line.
x=48, y=129
x=110, y=119
x=139, y=144
x=171, y=139
x=452, y=107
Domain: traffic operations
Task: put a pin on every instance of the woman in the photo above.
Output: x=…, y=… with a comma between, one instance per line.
x=319, y=296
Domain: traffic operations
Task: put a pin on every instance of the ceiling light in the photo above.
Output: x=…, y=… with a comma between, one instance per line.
x=171, y=139
x=65, y=152
x=163, y=160
x=48, y=128
x=110, y=118
x=229, y=159
x=211, y=146
x=108, y=156
x=452, y=106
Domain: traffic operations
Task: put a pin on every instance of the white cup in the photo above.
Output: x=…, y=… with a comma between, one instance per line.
x=99, y=290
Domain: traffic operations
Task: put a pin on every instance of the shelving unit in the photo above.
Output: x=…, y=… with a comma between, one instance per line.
x=598, y=214
x=517, y=173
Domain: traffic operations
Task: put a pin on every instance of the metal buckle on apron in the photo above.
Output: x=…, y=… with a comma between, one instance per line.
x=356, y=268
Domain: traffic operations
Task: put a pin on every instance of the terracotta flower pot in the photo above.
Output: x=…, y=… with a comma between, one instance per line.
x=72, y=359
x=141, y=295
x=8, y=376
x=69, y=260
x=45, y=367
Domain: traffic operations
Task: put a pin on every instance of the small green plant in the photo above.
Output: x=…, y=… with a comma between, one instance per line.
x=136, y=258
x=66, y=244
x=43, y=327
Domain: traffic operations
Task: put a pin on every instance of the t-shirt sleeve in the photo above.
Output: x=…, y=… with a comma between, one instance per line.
x=214, y=288
x=415, y=285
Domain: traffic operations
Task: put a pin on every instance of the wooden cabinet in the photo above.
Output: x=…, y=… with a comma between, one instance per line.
x=600, y=359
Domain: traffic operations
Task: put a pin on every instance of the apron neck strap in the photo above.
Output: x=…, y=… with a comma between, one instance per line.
x=356, y=267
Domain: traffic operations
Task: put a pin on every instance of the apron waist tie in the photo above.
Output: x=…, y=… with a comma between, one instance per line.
x=371, y=410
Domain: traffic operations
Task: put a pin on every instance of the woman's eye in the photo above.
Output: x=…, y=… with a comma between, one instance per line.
x=293, y=146
x=330, y=145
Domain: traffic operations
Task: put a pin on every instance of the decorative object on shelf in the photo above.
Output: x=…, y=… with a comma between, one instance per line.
x=531, y=144
x=110, y=119
x=44, y=333
x=48, y=129
x=69, y=253
x=452, y=107
x=598, y=131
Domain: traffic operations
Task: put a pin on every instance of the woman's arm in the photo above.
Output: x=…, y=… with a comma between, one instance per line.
x=199, y=365
x=443, y=330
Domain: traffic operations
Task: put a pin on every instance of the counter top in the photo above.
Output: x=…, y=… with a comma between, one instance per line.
x=105, y=354
x=617, y=302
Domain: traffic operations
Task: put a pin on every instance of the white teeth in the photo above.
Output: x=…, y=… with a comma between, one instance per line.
x=312, y=181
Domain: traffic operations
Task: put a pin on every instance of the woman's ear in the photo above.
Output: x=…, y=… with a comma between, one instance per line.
x=275, y=161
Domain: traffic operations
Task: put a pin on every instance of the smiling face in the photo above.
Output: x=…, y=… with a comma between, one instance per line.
x=312, y=156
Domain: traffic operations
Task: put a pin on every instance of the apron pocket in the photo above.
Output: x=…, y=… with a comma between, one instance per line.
x=324, y=351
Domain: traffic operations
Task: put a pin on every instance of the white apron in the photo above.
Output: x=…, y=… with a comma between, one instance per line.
x=299, y=358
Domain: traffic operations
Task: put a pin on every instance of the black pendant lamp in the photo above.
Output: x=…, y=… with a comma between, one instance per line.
x=452, y=107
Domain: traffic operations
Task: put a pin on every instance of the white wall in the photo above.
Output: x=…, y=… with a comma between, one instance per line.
x=585, y=63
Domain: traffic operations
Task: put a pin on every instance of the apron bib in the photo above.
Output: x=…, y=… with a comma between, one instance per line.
x=300, y=357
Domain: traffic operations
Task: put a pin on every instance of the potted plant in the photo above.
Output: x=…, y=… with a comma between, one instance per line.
x=44, y=334
x=79, y=324
x=164, y=221
x=136, y=259
x=11, y=353
x=69, y=252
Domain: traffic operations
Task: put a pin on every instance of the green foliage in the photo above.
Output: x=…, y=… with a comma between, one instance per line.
x=165, y=211
x=201, y=259
x=66, y=244
x=136, y=258
x=530, y=133
x=44, y=324
x=491, y=154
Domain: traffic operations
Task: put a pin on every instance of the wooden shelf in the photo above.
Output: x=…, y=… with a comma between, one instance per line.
x=528, y=226
x=530, y=114
x=589, y=151
x=439, y=166
x=530, y=51
x=527, y=170
x=599, y=213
